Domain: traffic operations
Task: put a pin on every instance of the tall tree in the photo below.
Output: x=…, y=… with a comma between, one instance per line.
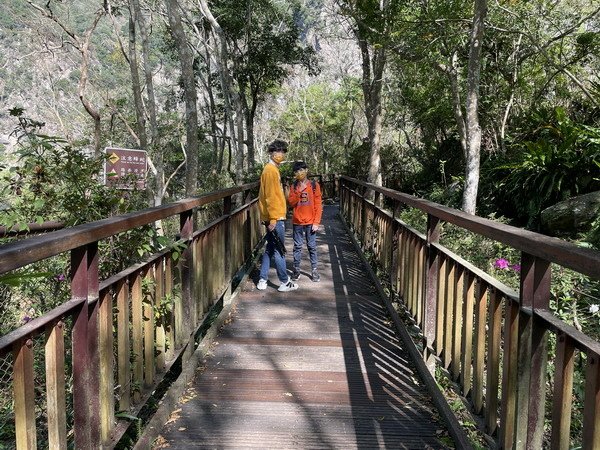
x=190, y=95
x=370, y=21
x=263, y=41
x=473, y=128
x=82, y=44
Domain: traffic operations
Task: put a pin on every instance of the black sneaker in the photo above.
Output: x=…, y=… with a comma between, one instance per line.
x=315, y=276
x=295, y=274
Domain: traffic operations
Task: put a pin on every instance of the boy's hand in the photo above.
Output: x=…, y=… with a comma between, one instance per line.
x=271, y=226
x=315, y=227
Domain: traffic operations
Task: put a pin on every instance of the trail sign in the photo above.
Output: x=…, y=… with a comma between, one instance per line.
x=125, y=168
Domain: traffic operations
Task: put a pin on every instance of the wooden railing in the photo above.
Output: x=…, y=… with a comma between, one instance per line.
x=491, y=339
x=121, y=346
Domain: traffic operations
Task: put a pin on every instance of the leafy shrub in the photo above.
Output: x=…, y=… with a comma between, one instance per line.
x=555, y=161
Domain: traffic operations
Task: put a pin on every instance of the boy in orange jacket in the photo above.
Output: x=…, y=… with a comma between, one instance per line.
x=305, y=198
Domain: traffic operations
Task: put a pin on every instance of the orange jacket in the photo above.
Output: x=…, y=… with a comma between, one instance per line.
x=308, y=206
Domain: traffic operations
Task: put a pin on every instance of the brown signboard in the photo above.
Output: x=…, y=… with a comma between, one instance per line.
x=125, y=168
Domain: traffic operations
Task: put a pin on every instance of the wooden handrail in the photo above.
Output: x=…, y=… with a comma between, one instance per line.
x=566, y=254
x=21, y=253
x=483, y=333
x=97, y=333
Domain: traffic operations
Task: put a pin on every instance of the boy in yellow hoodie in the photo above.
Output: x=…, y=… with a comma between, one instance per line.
x=305, y=198
x=272, y=207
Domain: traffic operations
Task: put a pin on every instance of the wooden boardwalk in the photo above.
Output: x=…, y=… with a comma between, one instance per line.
x=319, y=367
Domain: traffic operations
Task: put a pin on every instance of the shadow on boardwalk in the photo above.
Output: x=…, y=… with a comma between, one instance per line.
x=319, y=367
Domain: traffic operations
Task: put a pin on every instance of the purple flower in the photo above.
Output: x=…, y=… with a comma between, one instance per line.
x=516, y=267
x=26, y=319
x=60, y=277
x=501, y=263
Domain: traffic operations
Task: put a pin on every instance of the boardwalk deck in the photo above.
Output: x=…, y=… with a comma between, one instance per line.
x=319, y=367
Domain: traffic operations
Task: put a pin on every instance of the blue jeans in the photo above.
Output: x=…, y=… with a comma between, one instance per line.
x=272, y=252
x=304, y=233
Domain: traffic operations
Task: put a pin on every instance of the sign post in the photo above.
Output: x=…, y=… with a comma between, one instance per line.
x=125, y=168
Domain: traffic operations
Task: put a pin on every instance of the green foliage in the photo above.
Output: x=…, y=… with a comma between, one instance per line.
x=53, y=181
x=556, y=160
x=319, y=122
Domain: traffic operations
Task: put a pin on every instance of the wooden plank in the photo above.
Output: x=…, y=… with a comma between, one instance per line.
x=402, y=265
x=123, y=346
x=457, y=325
x=186, y=263
x=106, y=351
x=55, y=386
x=449, y=313
x=137, y=334
x=160, y=305
x=441, y=302
x=80, y=348
x=467, y=340
x=509, y=376
x=414, y=294
x=431, y=320
x=24, y=396
x=148, y=329
x=481, y=289
x=591, y=404
x=562, y=400
x=493, y=367
x=420, y=283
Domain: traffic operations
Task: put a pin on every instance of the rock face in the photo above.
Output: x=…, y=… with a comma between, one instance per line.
x=571, y=216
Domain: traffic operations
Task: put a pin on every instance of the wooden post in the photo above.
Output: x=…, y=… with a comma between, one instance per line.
x=479, y=345
x=591, y=408
x=228, y=253
x=81, y=362
x=123, y=345
x=493, y=368
x=431, y=291
x=534, y=294
x=55, y=386
x=137, y=326
x=509, y=376
x=106, y=350
x=23, y=388
x=187, y=285
x=159, y=295
x=562, y=401
x=148, y=313
x=467, y=340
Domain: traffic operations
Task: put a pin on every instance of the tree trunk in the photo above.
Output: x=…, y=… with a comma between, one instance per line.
x=154, y=148
x=135, y=84
x=372, y=84
x=469, y=202
x=230, y=96
x=189, y=88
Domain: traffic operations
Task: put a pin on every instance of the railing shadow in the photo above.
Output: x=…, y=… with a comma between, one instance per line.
x=390, y=405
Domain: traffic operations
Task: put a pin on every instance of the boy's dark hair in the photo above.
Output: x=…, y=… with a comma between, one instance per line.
x=277, y=146
x=298, y=165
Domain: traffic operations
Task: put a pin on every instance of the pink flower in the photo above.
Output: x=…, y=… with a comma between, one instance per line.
x=501, y=263
x=516, y=267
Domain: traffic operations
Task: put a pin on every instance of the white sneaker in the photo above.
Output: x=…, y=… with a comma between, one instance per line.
x=289, y=286
x=261, y=285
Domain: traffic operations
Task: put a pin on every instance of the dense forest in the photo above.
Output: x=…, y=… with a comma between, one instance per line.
x=492, y=107
x=488, y=106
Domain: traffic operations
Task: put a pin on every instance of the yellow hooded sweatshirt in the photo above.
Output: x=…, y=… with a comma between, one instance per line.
x=271, y=199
